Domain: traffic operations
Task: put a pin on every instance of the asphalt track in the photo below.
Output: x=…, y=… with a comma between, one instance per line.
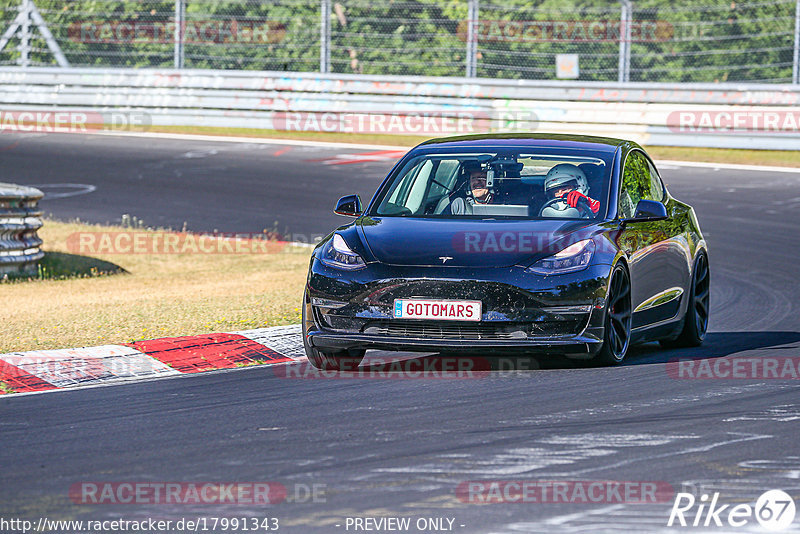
x=401, y=447
x=206, y=186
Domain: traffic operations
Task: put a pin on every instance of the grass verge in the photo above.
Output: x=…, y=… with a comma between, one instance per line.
x=775, y=158
x=161, y=295
x=780, y=158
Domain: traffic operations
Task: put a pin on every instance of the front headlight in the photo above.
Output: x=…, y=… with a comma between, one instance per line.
x=573, y=258
x=336, y=253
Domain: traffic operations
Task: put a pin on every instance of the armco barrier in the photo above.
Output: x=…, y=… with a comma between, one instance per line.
x=19, y=221
x=652, y=114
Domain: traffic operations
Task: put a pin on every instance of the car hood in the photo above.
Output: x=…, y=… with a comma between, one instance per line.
x=467, y=243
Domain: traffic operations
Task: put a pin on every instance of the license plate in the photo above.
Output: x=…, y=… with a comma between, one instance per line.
x=443, y=310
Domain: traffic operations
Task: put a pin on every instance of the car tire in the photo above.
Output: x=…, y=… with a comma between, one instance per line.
x=695, y=320
x=618, y=318
x=343, y=360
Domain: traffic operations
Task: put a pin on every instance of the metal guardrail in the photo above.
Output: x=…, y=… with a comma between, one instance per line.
x=421, y=86
x=645, y=112
x=20, y=219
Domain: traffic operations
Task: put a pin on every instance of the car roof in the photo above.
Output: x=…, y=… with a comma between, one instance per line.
x=537, y=140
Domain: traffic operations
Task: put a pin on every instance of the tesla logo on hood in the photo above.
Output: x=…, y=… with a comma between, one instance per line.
x=445, y=258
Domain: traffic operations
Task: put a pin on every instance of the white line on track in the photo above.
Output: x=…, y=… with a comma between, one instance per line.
x=257, y=140
x=359, y=146
x=71, y=190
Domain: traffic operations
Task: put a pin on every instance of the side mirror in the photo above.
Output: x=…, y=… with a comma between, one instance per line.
x=349, y=206
x=649, y=210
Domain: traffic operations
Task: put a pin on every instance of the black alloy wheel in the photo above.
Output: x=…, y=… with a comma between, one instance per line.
x=695, y=321
x=617, y=336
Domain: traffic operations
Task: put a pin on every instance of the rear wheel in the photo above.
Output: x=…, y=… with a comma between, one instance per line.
x=695, y=321
x=341, y=360
x=617, y=335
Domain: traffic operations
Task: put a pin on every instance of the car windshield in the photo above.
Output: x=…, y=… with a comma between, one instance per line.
x=517, y=183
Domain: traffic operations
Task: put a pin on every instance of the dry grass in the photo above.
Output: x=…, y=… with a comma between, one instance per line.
x=162, y=295
x=777, y=158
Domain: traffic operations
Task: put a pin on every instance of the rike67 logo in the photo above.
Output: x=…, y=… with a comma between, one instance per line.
x=774, y=510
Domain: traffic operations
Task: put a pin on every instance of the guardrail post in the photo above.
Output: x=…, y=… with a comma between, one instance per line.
x=325, y=36
x=624, y=74
x=473, y=7
x=25, y=35
x=180, y=27
x=796, y=62
x=28, y=14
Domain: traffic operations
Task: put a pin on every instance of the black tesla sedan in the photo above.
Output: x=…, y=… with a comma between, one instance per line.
x=554, y=244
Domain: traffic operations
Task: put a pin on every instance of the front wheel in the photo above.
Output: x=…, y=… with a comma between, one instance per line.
x=617, y=331
x=695, y=321
x=343, y=360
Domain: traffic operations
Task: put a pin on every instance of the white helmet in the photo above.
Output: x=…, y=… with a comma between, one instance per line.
x=561, y=175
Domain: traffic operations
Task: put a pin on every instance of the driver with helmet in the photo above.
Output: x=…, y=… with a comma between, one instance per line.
x=567, y=192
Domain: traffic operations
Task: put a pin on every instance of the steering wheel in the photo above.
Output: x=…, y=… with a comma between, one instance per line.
x=583, y=206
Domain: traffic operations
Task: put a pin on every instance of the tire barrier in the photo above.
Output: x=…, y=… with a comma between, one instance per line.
x=20, y=219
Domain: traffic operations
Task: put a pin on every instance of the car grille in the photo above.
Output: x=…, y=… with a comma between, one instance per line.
x=455, y=330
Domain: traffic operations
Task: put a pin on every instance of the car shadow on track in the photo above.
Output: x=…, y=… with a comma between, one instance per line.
x=719, y=345
x=716, y=345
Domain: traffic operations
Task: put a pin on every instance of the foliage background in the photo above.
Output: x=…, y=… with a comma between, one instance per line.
x=699, y=41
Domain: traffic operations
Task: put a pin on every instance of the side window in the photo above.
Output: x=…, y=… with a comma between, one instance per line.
x=444, y=178
x=656, y=185
x=636, y=184
x=417, y=193
x=399, y=193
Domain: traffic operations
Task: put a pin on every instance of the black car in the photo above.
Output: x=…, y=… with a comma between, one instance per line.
x=513, y=243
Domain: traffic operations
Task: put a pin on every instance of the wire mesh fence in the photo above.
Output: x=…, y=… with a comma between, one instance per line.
x=520, y=40
x=723, y=41
x=402, y=37
x=603, y=40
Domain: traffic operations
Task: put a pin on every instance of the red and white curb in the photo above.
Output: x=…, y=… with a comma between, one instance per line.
x=42, y=370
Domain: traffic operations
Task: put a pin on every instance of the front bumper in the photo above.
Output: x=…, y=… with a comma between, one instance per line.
x=522, y=312
x=583, y=346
